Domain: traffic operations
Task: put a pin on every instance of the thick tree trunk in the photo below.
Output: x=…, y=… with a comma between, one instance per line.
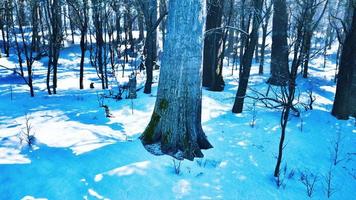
x=345, y=97
x=212, y=45
x=279, y=54
x=175, y=127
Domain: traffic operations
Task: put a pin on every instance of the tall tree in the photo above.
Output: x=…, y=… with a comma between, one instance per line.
x=5, y=24
x=345, y=97
x=175, y=127
x=53, y=11
x=279, y=53
x=310, y=8
x=251, y=43
x=98, y=9
x=80, y=10
x=149, y=9
x=266, y=18
x=212, y=46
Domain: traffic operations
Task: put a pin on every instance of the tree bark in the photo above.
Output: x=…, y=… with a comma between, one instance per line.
x=150, y=13
x=175, y=127
x=279, y=53
x=345, y=97
x=212, y=45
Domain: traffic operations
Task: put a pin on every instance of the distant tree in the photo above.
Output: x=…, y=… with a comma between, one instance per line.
x=244, y=26
x=25, y=45
x=310, y=8
x=267, y=8
x=280, y=49
x=81, y=20
x=212, y=78
x=5, y=24
x=53, y=12
x=345, y=97
x=141, y=28
x=98, y=18
x=175, y=126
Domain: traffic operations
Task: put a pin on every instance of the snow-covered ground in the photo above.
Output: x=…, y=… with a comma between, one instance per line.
x=81, y=154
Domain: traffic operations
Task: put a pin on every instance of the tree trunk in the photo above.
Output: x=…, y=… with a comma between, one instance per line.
x=162, y=10
x=82, y=57
x=141, y=35
x=83, y=44
x=151, y=42
x=247, y=59
x=345, y=97
x=263, y=47
x=56, y=39
x=8, y=21
x=175, y=127
x=212, y=45
x=306, y=53
x=279, y=54
x=242, y=36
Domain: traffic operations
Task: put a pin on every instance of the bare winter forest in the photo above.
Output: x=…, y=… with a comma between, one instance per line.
x=177, y=99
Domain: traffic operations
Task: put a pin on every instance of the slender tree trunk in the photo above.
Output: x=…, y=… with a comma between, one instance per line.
x=141, y=35
x=263, y=47
x=242, y=36
x=151, y=42
x=257, y=58
x=8, y=21
x=83, y=44
x=162, y=10
x=306, y=54
x=247, y=59
x=56, y=40
x=289, y=93
x=3, y=39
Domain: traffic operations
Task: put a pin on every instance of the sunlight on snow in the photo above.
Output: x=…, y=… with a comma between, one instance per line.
x=135, y=168
x=11, y=156
x=182, y=188
x=78, y=136
x=95, y=194
x=212, y=109
x=243, y=143
x=32, y=198
x=129, y=121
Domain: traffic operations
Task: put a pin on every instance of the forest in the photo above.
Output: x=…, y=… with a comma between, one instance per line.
x=177, y=99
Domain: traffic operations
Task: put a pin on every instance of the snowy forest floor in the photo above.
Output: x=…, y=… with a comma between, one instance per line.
x=81, y=154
